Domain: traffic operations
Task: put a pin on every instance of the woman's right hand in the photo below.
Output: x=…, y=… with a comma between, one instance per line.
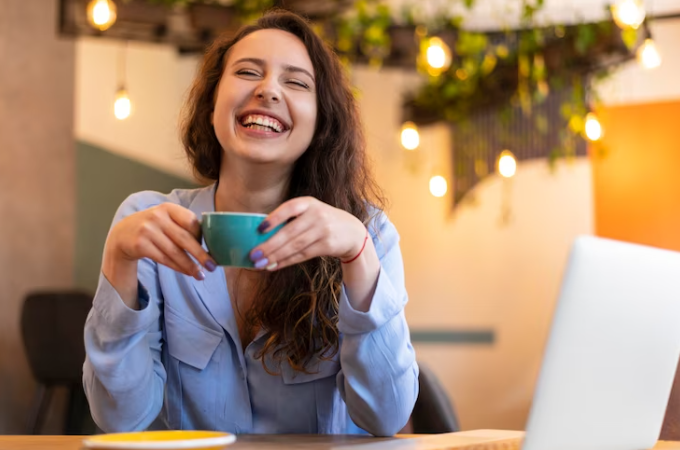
x=167, y=233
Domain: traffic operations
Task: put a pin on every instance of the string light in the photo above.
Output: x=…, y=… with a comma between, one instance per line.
x=507, y=164
x=101, y=14
x=437, y=56
x=438, y=186
x=122, y=106
x=410, y=138
x=648, y=55
x=593, y=127
x=628, y=13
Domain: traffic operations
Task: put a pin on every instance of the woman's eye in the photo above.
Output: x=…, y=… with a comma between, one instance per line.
x=247, y=72
x=299, y=83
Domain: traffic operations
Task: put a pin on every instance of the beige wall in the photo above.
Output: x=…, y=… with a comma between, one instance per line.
x=157, y=78
x=37, y=167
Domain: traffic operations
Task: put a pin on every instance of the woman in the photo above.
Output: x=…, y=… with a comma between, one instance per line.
x=315, y=339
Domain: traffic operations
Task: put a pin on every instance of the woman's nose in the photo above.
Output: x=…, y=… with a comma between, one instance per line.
x=266, y=92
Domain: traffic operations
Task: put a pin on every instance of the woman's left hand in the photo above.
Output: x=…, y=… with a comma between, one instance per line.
x=318, y=230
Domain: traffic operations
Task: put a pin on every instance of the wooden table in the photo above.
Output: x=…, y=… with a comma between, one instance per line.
x=467, y=440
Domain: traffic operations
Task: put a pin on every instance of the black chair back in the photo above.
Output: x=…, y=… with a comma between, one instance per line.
x=433, y=412
x=52, y=326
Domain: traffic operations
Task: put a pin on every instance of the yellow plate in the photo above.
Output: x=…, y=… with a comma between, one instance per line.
x=161, y=440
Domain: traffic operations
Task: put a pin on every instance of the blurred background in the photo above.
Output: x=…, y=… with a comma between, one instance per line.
x=499, y=129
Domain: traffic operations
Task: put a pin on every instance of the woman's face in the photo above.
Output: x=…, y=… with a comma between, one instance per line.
x=265, y=110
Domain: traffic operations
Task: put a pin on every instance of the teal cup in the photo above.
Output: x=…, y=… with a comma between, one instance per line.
x=231, y=237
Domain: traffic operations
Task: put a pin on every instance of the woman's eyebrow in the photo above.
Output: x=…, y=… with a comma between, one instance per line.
x=287, y=67
x=290, y=68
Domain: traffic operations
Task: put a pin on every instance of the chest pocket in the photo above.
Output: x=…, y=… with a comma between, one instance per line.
x=190, y=342
x=193, y=371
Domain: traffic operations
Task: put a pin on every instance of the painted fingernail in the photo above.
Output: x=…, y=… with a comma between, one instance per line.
x=261, y=263
x=263, y=226
x=200, y=275
x=210, y=265
x=272, y=266
x=256, y=255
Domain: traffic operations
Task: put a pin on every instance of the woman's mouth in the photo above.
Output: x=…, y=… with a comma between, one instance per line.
x=262, y=123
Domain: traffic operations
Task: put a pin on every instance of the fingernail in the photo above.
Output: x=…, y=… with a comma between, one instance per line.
x=272, y=266
x=261, y=263
x=200, y=275
x=263, y=226
x=256, y=255
x=210, y=265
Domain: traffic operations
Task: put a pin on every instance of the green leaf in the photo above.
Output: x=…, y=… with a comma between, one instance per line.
x=585, y=37
x=629, y=37
x=451, y=89
x=471, y=43
x=488, y=64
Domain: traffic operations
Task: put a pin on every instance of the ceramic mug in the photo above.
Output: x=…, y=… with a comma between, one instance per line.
x=230, y=237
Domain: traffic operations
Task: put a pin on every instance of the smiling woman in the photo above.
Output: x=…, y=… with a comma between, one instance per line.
x=313, y=338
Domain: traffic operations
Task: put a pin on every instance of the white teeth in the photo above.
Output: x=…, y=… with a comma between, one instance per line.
x=262, y=121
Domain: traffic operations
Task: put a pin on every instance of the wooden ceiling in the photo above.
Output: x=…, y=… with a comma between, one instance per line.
x=189, y=29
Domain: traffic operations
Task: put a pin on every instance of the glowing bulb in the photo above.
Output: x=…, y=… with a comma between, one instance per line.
x=410, y=138
x=628, y=13
x=438, y=186
x=648, y=55
x=101, y=14
x=122, y=107
x=507, y=164
x=438, y=55
x=593, y=127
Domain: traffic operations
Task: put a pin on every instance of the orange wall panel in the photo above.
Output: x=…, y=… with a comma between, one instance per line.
x=637, y=180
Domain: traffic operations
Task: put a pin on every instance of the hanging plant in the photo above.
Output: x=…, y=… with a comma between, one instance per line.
x=363, y=30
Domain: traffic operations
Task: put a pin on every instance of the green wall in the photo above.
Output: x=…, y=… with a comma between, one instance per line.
x=104, y=180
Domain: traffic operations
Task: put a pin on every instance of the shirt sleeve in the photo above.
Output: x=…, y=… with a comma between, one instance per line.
x=123, y=376
x=379, y=375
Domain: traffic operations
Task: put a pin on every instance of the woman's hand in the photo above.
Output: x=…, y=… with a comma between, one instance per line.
x=318, y=230
x=167, y=233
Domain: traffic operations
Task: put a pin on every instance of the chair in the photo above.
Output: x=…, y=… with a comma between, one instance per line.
x=433, y=412
x=52, y=326
x=670, y=431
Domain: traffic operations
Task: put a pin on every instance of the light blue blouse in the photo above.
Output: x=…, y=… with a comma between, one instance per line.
x=178, y=362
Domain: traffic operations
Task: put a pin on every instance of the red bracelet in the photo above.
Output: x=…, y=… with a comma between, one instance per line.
x=360, y=251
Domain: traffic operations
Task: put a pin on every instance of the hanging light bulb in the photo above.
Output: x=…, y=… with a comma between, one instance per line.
x=122, y=106
x=410, y=138
x=507, y=164
x=438, y=186
x=648, y=55
x=628, y=13
x=593, y=127
x=437, y=56
x=101, y=14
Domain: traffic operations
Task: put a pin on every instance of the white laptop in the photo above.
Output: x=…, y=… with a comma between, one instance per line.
x=612, y=352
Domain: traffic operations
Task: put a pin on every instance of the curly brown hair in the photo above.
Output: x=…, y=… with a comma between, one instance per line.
x=298, y=305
